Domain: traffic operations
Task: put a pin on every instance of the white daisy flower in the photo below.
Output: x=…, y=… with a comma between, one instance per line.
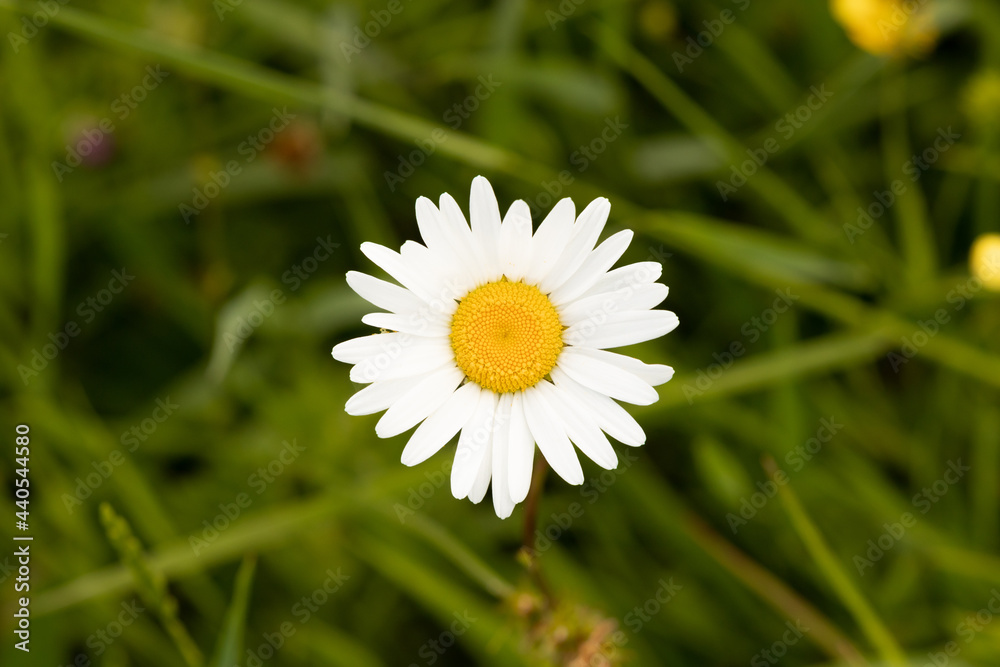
x=504, y=335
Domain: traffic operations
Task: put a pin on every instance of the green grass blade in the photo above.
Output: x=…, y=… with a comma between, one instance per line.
x=912, y=222
x=750, y=251
x=229, y=647
x=662, y=507
x=836, y=577
x=798, y=214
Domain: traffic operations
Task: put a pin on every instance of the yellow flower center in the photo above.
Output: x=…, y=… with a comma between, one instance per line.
x=506, y=336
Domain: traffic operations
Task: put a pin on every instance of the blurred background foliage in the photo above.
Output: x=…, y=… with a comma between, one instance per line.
x=196, y=383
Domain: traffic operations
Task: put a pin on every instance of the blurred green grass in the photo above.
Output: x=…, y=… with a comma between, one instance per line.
x=176, y=333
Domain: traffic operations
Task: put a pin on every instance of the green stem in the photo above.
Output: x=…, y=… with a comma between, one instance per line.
x=527, y=553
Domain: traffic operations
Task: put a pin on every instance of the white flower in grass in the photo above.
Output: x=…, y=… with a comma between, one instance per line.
x=503, y=335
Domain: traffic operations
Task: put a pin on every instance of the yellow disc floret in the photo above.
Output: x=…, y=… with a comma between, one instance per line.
x=506, y=336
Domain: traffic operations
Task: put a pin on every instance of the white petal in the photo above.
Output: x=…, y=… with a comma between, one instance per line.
x=452, y=243
x=586, y=231
x=460, y=233
x=654, y=374
x=550, y=435
x=630, y=275
x=482, y=481
x=382, y=348
x=620, y=329
x=521, y=451
x=611, y=417
x=472, y=444
x=431, y=225
x=392, y=263
x=598, y=306
x=605, y=378
x=414, y=324
x=515, y=241
x=383, y=294
x=378, y=396
x=594, y=268
x=503, y=505
x=415, y=356
x=435, y=431
x=550, y=240
x=356, y=350
x=484, y=212
x=414, y=406
x=580, y=427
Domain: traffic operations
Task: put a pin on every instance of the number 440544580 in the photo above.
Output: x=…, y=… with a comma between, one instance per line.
x=23, y=454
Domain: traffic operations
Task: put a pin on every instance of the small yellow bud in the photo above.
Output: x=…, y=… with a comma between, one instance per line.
x=984, y=260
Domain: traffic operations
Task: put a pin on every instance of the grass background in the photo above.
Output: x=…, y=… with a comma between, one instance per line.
x=565, y=72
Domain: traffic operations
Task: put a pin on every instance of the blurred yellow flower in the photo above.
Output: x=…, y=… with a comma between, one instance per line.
x=984, y=260
x=888, y=27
